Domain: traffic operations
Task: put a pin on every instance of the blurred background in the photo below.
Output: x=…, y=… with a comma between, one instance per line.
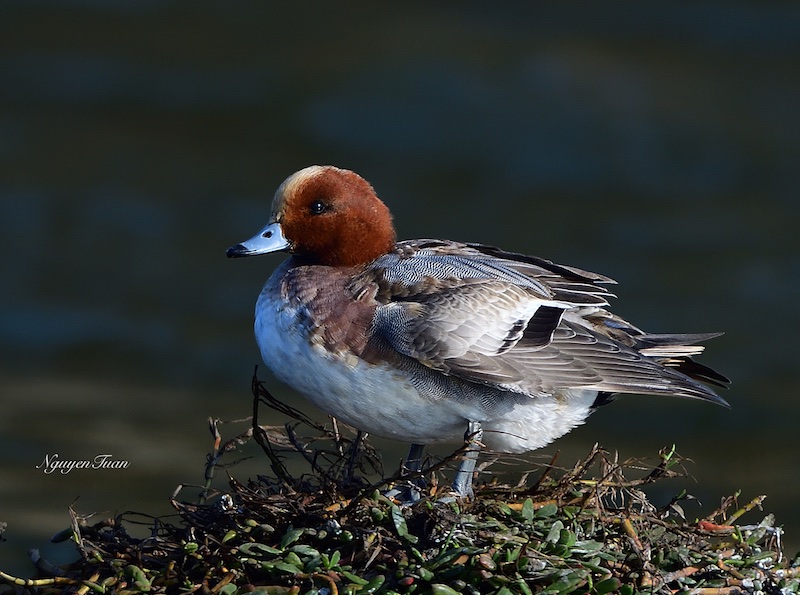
x=658, y=144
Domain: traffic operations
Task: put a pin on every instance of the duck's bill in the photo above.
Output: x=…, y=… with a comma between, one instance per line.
x=269, y=239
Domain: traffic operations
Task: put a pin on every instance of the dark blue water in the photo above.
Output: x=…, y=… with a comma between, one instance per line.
x=658, y=145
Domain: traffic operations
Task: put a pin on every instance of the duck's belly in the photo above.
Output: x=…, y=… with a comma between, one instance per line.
x=374, y=398
x=383, y=401
x=534, y=422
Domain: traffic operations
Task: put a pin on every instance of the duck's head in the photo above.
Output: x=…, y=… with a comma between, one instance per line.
x=324, y=215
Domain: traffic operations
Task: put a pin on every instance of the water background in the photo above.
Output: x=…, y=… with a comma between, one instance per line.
x=658, y=144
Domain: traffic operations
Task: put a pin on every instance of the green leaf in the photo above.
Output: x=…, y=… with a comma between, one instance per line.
x=440, y=589
x=136, y=574
x=565, y=584
x=547, y=510
x=513, y=554
x=567, y=538
x=399, y=521
x=258, y=550
x=527, y=510
x=354, y=578
x=608, y=585
x=334, y=559
x=95, y=587
x=401, y=526
x=374, y=584
x=305, y=550
x=290, y=537
x=555, y=532
x=446, y=557
x=289, y=568
x=425, y=574
x=504, y=509
x=293, y=559
x=312, y=564
x=587, y=547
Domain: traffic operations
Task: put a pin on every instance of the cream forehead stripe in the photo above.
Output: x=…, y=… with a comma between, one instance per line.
x=292, y=183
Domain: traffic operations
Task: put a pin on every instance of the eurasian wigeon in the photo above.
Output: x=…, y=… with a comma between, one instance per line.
x=424, y=340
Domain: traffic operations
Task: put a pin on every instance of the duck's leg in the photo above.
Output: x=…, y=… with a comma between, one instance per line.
x=411, y=491
x=414, y=458
x=414, y=465
x=462, y=484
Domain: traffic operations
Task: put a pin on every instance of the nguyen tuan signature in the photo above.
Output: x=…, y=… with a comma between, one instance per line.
x=52, y=463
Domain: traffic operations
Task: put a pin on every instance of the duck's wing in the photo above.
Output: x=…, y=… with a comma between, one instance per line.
x=522, y=324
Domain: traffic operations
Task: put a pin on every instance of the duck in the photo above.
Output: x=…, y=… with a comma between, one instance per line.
x=426, y=341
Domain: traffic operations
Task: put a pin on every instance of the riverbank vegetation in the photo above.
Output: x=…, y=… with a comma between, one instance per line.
x=340, y=526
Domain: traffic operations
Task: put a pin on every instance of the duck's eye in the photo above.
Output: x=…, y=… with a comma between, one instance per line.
x=318, y=207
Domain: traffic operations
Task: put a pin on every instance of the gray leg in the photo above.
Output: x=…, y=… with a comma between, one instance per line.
x=414, y=458
x=462, y=484
x=408, y=491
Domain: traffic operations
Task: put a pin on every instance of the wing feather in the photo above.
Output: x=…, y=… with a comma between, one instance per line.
x=523, y=324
